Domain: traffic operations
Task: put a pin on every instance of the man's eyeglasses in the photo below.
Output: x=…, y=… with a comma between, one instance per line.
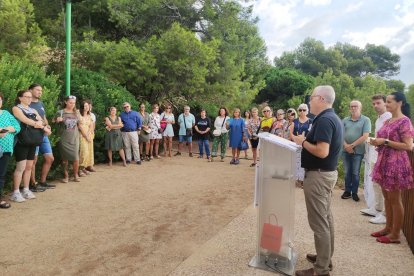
x=302, y=110
x=126, y=106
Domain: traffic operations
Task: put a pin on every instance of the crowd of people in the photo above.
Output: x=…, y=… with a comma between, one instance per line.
x=135, y=135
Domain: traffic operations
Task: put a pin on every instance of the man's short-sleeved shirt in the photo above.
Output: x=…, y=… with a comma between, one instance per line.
x=328, y=128
x=131, y=120
x=189, y=122
x=39, y=107
x=355, y=129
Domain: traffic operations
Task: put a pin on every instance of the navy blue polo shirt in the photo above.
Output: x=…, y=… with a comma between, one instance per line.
x=131, y=120
x=326, y=127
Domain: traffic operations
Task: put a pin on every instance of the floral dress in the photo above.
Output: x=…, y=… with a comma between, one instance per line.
x=393, y=171
x=155, y=124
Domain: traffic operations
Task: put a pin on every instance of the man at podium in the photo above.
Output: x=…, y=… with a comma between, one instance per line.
x=320, y=154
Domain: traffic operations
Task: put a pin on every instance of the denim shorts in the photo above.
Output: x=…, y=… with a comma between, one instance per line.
x=183, y=138
x=45, y=147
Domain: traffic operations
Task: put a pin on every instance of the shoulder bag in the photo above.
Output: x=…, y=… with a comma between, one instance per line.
x=217, y=132
x=28, y=135
x=188, y=131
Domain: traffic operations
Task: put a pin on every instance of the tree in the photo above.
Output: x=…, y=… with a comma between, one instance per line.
x=183, y=63
x=20, y=34
x=122, y=62
x=282, y=85
x=311, y=57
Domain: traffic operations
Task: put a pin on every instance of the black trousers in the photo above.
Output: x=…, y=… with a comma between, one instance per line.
x=4, y=161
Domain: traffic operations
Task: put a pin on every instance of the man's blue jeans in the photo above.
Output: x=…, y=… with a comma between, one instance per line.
x=204, y=143
x=352, y=168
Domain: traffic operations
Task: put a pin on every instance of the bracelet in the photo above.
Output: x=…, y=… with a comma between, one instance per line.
x=303, y=142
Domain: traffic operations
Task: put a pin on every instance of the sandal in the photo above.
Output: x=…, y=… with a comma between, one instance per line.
x=64, y=180
x=85, y=171
x=252, y=164
x=385, y=239
x=76, y=179
x=4, y=205
x=379, y=234
x=82, y=174
x=90, y=169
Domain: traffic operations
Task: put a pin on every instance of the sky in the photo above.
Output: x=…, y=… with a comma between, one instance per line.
x=284, y=24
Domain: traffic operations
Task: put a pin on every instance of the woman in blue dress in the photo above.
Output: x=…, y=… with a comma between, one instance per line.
x=237, y=135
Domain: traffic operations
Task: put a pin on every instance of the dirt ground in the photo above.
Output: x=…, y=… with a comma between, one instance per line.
x=138, y=220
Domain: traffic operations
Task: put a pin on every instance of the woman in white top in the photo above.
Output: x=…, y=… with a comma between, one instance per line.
x=167, y=120
x=155, y=135
x=220, y=133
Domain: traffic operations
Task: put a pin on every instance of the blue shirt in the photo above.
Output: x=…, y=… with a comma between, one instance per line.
x=131, y=120
x=189, y=122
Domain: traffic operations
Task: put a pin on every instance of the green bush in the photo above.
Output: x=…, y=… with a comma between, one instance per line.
x=103, y=94
x=18, y=74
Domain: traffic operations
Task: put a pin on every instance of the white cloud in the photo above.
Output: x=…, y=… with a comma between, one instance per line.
x=353, y=7
x=317, y=2
x=375, y=36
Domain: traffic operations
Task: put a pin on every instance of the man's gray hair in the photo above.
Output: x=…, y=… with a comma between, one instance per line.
x=326, y=92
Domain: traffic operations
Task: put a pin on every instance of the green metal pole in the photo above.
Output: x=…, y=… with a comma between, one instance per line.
x=68, y=42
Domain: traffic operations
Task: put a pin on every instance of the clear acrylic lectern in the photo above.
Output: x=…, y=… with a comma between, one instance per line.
x=275, y=202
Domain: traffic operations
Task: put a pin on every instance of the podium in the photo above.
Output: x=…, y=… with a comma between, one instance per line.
x=275, y=202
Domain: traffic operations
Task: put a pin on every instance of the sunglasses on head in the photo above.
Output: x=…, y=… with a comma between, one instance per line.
x=72, y=97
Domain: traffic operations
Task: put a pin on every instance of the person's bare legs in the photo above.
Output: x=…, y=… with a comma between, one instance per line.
x=190, y=147
x=151, y=149
x=169, y=146
x=237, y=153
x=254, y=150
x=388, y=213
x=76, y=169
x=233, y=153
x=18, y=174
x=394, y=197
x=122, y=154
x=47, y=163
x=65, y=170
x=165, y=143
x=157, y=145
x=33, y=174
x=27, y=172
x=110, y=157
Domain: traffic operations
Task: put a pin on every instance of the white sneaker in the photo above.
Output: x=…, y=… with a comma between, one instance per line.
x=369, y=212
x=17, y=197
x=27, y=194
x=379, y=219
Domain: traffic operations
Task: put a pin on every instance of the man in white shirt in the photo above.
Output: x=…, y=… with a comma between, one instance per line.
x=377, y=209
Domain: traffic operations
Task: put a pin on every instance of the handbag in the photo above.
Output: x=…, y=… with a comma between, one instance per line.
x=28, y=135
x=243, y=145
x=218, y=132
x=271, y=238
x=163, y=124
x=188, y=131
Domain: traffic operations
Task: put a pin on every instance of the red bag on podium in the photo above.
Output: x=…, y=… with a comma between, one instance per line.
x=271, y=238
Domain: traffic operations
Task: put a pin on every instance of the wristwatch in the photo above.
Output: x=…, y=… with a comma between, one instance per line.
x=386, y=142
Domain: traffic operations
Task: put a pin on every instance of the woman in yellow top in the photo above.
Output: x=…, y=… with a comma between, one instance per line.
x=267, y=120
x=86, y=159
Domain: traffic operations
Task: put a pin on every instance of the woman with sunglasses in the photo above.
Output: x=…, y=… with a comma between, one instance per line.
x=291, y=116
x=144, y=134
x=25, y=153
x=301, y=125
x=167, y=118
x=253, y=127
x=267, y=120
x=68, y=120
x=277, y=127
